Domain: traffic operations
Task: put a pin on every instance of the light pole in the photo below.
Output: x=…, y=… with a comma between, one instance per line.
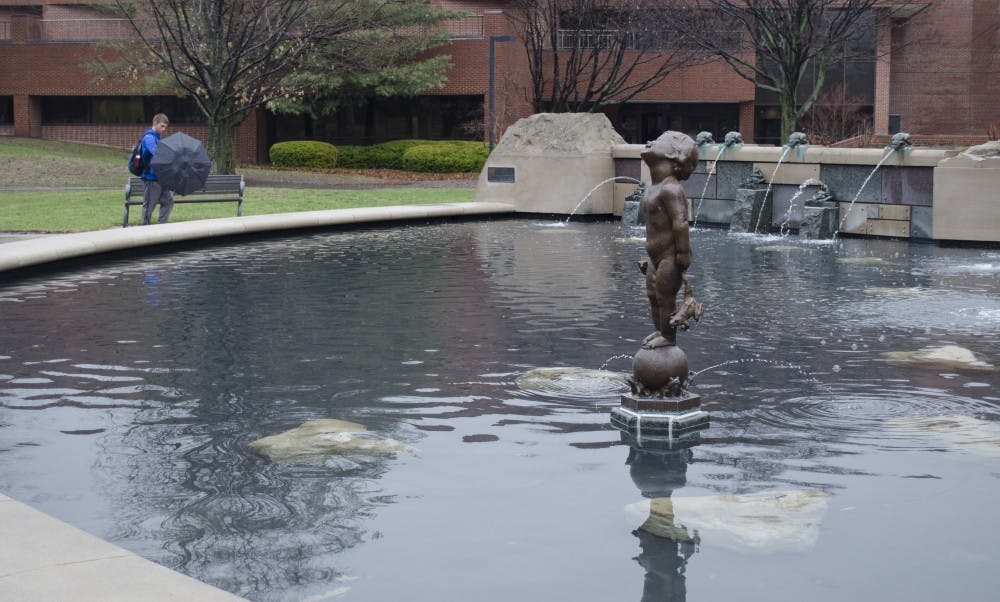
x=493, y=41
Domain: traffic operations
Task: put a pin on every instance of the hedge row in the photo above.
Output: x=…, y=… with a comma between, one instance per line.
x=303, y=153
x=455, y=156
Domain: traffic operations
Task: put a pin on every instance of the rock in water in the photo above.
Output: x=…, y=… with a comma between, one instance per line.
x=767, y=522
x=963, y=433
x=318, y=438
x=947, y=356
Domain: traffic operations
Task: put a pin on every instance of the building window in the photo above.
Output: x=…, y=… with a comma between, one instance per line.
x=431, y=117
x=6, y=110
x=97, y=110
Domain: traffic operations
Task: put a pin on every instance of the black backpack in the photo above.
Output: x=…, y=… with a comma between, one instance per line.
x=136, y=164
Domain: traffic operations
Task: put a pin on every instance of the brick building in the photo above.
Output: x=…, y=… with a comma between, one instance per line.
x=936, y=76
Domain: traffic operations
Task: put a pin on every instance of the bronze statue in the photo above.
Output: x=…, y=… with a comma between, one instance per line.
x=671, y=158
x=660, y=368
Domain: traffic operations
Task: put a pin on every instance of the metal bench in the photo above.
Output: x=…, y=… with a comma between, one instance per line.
x=218, y=188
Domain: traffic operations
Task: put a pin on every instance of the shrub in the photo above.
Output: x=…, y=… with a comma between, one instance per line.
x=389, y=155
x=303, y=153
x=445, y=157
x=355, y=157
x=452, y=156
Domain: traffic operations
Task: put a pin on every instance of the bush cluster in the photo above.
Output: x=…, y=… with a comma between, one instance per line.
x=417, y=155
x=445, y=157
x=303, y=153
x=453, y=156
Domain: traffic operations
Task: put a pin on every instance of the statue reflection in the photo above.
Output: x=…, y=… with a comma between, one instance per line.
x=658, y=469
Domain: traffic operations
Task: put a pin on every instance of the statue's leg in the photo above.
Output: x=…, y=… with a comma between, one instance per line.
x=668, y=282
x=653, y=300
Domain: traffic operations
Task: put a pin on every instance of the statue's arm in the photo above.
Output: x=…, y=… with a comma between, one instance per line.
x=677, y=207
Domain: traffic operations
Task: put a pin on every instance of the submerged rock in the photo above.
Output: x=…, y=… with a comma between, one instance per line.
x=767, y=522
x=963, y=433
x=914, y=291
x=572, y=382
x=317, y=438
x=862, y=260
x=947, y=356
x=778, y=248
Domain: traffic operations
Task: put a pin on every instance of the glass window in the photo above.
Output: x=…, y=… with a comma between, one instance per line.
x=117, y=109
x=65, y=109
x=6, y=109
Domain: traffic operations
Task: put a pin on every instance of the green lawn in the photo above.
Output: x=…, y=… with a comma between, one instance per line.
x=83, y=210
x=48, y=186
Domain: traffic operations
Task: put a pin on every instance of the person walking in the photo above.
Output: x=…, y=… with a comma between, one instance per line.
x=154, y=193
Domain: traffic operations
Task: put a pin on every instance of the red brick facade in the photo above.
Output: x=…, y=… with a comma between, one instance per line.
x=939, y=72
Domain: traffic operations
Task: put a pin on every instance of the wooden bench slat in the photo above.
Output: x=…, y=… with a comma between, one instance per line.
x=219, y=188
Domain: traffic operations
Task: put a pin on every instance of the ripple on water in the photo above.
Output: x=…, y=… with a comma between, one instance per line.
x=868, y=416
x=957, y=311
x=571, y=383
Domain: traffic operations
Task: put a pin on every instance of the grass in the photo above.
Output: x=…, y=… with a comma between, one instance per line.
x=48, y=186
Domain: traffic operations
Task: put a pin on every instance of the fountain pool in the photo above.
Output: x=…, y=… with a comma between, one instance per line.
x=130, y=391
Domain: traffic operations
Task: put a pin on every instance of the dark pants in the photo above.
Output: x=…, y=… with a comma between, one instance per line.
x=153, y=195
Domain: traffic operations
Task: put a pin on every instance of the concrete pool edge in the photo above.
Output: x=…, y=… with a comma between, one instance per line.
x=57, y=247
x=43, y=558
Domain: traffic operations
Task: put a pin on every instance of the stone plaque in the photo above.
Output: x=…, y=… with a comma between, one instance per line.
x=502, y=175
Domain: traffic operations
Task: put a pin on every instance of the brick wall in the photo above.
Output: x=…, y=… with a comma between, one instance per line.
x=946, y=68
x=942, y=77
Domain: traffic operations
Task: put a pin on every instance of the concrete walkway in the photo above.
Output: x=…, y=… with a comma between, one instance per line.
x=43, y=559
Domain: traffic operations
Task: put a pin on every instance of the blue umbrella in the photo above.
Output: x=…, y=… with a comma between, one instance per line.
x=181, y=163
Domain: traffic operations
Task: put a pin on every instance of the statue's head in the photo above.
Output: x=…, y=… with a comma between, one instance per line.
x=676, y=147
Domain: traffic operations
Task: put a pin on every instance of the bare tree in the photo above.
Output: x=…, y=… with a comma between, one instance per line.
x=836, y=116
x=232, y=56
x=786, y=46
x=587, y=54
x=229, y=56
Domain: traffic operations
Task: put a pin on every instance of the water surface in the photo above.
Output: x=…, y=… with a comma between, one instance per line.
x=130, y=390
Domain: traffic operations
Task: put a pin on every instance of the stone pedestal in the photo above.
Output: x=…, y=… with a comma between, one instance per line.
x=819, y=221
x=748, y=207
x=553, y=163
x=669, y=421
x=632, y=214
x=965, y=195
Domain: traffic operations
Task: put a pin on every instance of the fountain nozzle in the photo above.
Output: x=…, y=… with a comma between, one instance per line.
x=900, y=140
x=796, y=139
x=733, y=139
x=704, y=138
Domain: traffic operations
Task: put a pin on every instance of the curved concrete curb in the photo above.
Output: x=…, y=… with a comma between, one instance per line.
x=26, y=253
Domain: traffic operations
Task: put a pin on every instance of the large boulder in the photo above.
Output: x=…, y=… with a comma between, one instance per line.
x=559, y=134
x=990, y=150
x=556, y=163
